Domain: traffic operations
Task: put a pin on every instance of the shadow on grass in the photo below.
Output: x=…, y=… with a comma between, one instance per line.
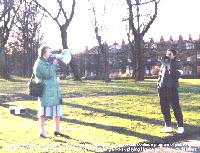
x=116, y=114
x=190, y=108
x=116, y=129
x=16, y=80
x=4, y=99
x=122, y=115
x=169, y=142
x=79, y=146
x=30, y=113
x=98, y=94
x=190, y=129
x=16, y=97
x=193, y=89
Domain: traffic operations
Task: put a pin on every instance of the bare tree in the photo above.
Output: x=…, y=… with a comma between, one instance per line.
x=103, y=47
x=27, y=34
x=62, y=16
x=7, y=18
x=140, y=19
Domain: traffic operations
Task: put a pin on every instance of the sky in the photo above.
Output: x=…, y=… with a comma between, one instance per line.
x=175, y=17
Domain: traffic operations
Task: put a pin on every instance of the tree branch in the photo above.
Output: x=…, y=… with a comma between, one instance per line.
x=151, y=18
x=139, y=3
x=65, y=14
x=45, y=10
x=131, y=23
x=61, y=8
x=58, y=13
x=72, y=12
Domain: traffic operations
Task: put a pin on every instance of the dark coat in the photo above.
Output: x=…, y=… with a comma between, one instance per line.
x=170, y=80
x=45, y=72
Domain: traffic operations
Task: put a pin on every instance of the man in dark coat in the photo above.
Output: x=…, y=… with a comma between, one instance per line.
x=168, y=90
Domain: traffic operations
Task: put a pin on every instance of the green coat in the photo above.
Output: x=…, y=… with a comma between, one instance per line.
x=46, y=73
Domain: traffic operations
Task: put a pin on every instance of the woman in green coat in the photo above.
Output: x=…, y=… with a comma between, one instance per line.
x=49, y=102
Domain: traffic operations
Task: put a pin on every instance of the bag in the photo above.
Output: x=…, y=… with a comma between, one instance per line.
x=35, y=89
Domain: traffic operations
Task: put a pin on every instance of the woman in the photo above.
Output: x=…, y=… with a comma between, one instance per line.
x=49, y=102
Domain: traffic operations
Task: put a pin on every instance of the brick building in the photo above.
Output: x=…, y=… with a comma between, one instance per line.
x=120, y=61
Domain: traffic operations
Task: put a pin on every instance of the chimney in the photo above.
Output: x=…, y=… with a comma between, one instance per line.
x=86, y=48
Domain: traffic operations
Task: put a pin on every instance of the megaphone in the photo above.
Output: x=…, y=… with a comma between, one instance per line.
x=165, y=60
x=65, y=56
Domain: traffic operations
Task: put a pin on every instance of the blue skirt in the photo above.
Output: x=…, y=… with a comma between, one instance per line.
x=50, y=111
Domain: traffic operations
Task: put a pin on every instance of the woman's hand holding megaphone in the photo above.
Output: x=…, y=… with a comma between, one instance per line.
x=64, y=57
x=56, y=61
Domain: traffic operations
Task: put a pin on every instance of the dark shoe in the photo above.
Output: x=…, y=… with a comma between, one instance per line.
x=59, y=134
x=56, y=133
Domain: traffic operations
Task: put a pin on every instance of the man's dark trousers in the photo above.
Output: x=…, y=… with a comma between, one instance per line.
x=169, y=97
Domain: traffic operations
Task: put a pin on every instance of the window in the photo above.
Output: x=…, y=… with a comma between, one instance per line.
x=198, y=55
x=189, y=45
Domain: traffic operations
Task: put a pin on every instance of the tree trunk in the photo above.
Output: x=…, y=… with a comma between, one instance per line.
x=73, y=65
x=106, y=69
x=3, y=68
x=139, y=72
x=131, y=44
x=104, y=75
x=98, y=68
x=106, y=64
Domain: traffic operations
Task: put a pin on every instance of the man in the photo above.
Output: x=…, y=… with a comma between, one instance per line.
x=168, y=90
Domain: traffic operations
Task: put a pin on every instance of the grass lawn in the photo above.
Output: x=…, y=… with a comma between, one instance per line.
x=97, y=115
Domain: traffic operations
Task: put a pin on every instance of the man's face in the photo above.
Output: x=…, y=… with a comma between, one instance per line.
x=170, y=55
